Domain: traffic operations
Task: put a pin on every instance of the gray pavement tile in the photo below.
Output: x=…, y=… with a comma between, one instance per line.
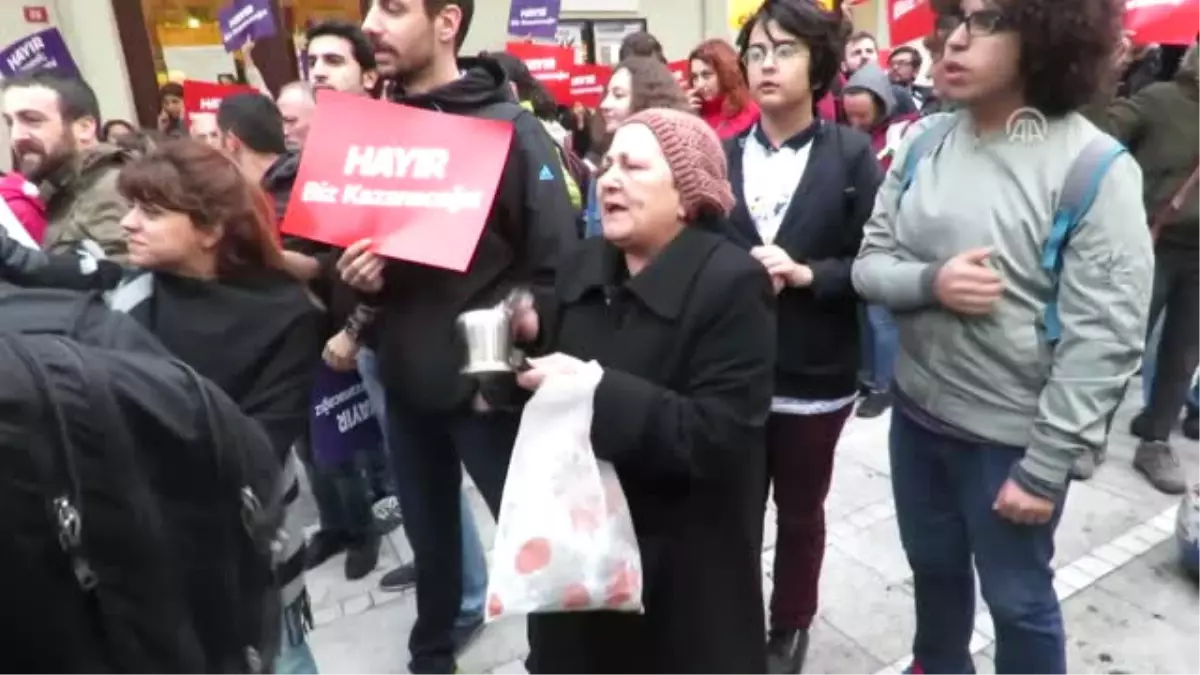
x=372, y=642
x=859, y=602
x=514, y=667
x=985, y=661
x=878, y=547
x=1092, y=517
x=1106, y=634
x=1156, y=583
x=866, y=442
x=500, y=643
x=855, y=485
x=832, y=651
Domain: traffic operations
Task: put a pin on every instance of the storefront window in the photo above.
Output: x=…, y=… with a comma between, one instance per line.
x=186, y=41
x=597, y=40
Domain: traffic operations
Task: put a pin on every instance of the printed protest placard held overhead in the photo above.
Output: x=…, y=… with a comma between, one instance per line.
x=43, y=50
x=244, y=20
x=534, y=18
x=420, y=184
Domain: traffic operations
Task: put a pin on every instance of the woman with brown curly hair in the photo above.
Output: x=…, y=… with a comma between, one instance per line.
x=718, y=89
x=1020, y=324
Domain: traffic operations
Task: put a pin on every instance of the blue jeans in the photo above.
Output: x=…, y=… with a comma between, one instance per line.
x=944, y=490
x=295, y=656
x=474, y=560
x=1150, y=361
x=879, y=342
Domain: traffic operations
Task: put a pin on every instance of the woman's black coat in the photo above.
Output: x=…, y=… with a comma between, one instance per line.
x=688, y=348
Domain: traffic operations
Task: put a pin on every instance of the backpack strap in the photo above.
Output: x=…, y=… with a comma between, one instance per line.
x=924, y=144
x=1078, y=192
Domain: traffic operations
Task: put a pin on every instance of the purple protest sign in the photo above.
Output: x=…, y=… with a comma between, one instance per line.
x=533, y=18
x=342, y=422
x=244, y=20
x=43, y=50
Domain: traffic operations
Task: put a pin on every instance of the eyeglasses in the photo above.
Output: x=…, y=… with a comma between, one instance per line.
x=782, y=52
x=979, y=24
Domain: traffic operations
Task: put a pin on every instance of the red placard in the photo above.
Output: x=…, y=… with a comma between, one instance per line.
x=1171, y=22
x=419, y=183
x=909, y=20
x=680, y=70
x=587, y=84
x=36, y=14
x=549, y=64
x=205, y=97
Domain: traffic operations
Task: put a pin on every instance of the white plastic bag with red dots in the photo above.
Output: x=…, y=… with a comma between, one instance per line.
x=565, y=539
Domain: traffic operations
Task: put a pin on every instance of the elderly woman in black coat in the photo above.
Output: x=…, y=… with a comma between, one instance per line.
x=682, y=323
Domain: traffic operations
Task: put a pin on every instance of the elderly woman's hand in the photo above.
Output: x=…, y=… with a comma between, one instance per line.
x=541, y=368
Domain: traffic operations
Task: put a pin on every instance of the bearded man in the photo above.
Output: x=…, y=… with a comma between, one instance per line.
x=53, y=123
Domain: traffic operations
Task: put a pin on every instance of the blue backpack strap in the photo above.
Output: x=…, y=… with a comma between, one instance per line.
x=923, y=145
x=1078, y=193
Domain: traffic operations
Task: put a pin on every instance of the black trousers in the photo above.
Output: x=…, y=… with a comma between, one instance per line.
x=1177, y=293
x=429, y=452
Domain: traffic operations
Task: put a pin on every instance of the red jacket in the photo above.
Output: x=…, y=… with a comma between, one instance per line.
x=727, y=126
x=827, y=107
x=890, y=131
x=26, y=204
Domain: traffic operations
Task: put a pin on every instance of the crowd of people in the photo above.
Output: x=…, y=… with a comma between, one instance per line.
x=798, y=233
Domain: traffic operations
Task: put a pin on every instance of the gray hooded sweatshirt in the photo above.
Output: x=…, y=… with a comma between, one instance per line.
x=996, y=376
x=873, y=80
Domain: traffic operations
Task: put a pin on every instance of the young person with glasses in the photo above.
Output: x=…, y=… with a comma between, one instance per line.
x=804, y=188
x=1006, y=372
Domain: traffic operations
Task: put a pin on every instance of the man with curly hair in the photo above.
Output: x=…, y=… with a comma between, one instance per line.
x=1008, y=368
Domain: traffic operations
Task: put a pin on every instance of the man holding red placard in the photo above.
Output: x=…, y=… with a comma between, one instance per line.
x=440, y=419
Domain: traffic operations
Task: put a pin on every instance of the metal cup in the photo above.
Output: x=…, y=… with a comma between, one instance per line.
x=489, y=339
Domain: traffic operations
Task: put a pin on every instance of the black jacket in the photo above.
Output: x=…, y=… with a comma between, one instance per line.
x=531, y=221
x=687, y=346
x=822, y=228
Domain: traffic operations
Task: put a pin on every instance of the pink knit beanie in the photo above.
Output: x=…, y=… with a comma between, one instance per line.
x=695, y=156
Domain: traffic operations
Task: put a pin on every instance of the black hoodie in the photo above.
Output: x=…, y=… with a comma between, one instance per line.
x=531, y=222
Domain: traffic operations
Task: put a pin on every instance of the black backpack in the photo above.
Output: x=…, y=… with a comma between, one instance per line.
x=138, y=505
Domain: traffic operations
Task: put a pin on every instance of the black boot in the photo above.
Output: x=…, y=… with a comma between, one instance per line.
x=361, y=556
x=324, y=545
x=786, y=650
x=1191, y=426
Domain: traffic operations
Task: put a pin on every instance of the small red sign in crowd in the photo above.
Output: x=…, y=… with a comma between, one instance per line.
x=205, y=97
x=570, y=82
x=418, y=183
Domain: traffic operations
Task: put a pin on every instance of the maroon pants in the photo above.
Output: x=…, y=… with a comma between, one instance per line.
x=800, y=460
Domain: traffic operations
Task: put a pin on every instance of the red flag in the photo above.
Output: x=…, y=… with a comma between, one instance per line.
x=549, y=64
x=909, y=20
x=1172, y=22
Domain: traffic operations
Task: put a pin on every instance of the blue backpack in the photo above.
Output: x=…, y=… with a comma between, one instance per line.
x=1078, y=193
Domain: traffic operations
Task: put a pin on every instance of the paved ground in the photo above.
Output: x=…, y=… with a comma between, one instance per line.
x=1128, y=607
